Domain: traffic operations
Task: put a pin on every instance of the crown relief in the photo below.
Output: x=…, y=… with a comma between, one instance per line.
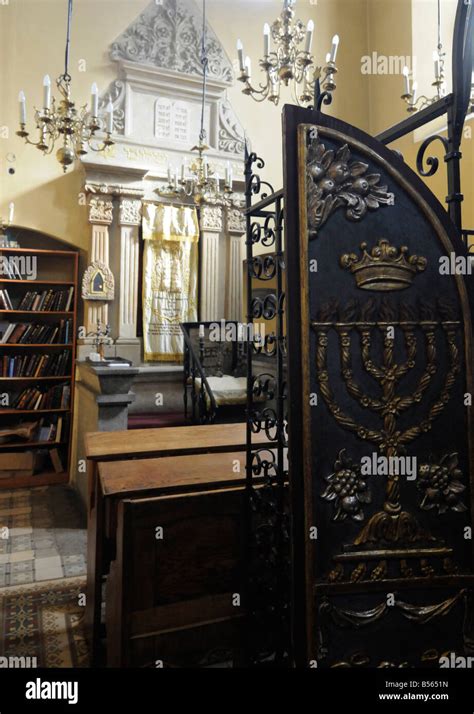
x=335, y=181
x=384, y=267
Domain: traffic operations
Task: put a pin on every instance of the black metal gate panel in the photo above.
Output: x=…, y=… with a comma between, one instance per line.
x=380, y=379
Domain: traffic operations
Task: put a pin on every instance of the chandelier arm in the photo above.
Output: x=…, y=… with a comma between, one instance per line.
x=255, y=94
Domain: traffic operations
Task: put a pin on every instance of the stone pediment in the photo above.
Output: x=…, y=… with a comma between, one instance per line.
x=168, y=34
x=156, y=97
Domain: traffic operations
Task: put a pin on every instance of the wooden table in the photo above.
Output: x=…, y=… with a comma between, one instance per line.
x=143, y=466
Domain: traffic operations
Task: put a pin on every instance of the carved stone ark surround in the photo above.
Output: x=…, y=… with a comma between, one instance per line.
x=98, y=282
x=211, y=218
x=231, y=138
x=101, y=210
x=130, y=212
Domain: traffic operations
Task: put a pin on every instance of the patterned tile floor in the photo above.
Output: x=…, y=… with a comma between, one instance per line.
x=42, y=535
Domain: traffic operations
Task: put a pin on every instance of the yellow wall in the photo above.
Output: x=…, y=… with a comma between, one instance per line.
x=403, y=27
x=32, y=44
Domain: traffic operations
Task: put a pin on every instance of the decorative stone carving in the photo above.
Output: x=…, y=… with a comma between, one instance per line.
x=235, y=220
x=98, y=282
x=112, y=189
x=101, y=210
x=130, y=212
x=335, y=181
x=211, y=218
x=231, y=138
x=168, y=34
x=115, y=93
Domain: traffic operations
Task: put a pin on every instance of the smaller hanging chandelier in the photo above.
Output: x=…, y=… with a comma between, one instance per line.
x=75, y=128
x=287, y=62
x=410, y=87
x=201, y=182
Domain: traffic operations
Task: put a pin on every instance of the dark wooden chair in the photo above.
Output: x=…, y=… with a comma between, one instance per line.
x=173, y=590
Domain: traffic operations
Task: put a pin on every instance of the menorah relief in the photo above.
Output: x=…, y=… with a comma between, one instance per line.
x=363, y=325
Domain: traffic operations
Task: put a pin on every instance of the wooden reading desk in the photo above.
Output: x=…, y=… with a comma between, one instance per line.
x=144, y=462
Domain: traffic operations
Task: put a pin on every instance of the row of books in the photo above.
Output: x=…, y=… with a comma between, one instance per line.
x=37, y=365
x=50, y=429
x=47, y=300
x=5, y=302
x=11, y=271
x=34, y=398
x=24, y=333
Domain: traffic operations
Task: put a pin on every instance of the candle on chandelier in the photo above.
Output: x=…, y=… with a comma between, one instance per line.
x=22, y=100
x=217, y=179
x=335, y=45
x=183, y=170
x=175, y=180
x=94, y=100
x=11, y=213
x=309, y=36
x=240, y=53
x=169, y=175
x=110, y=117
x=415, y=88
x=436, y=64
x=406, y=79
x=266, y=39
x=201, y=332
x=248, y=67
x=46, y=92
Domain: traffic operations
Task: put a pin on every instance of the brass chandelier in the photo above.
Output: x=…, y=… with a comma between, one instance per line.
x=75, y=128
x=410, y=87
x=201, y=182
x=288, y=62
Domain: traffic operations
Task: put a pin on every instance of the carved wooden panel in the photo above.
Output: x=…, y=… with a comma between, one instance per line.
x=380, y=375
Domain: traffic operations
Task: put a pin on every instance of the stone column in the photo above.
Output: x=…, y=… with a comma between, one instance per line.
x=100, y=218
x=235, y=273
x=211, y=223
x=128, y=345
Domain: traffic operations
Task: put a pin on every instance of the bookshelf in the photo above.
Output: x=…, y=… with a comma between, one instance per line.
x=38, y=316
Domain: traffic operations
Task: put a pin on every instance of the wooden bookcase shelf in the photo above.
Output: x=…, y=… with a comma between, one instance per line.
x=38, y=312
x=36, y=379
x=11, y=281
x=56, y=270
x=42, y=344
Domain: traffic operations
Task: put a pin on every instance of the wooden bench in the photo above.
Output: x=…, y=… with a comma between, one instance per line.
x=126, y=449
x=172, y=595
